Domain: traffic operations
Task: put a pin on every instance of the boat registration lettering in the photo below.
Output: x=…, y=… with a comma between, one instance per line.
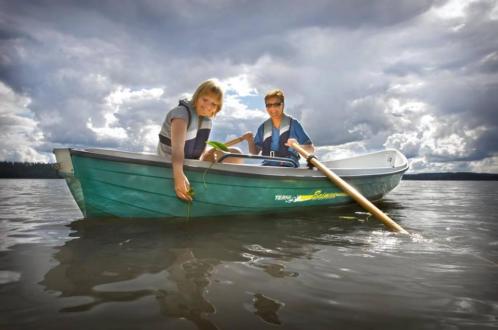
x=317, y=195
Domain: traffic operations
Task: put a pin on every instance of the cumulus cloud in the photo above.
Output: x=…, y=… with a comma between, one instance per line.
x=419, y=76
x=19, y=134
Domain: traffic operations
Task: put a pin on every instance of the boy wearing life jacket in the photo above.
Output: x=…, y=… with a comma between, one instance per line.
x=276, y=134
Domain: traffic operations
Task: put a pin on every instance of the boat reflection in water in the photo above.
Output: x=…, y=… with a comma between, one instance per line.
x=176, y=264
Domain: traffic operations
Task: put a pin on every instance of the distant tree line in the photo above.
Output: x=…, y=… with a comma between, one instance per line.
x=28, y=170
x=460, y=176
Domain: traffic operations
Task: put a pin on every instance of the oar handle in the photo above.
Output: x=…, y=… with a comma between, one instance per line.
x=234, y=141
x=351, y=191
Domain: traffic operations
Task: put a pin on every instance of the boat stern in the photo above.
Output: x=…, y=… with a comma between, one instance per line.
x=64, y=164
x=65, y=168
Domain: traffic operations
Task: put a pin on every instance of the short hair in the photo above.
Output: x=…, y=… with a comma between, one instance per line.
x=275, y=93
x=210, y=86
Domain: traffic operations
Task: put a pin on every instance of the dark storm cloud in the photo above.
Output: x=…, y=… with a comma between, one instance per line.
x=213, y=27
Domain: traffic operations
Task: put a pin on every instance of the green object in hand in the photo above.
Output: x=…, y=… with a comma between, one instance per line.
x=218, y=145
x=191, y=192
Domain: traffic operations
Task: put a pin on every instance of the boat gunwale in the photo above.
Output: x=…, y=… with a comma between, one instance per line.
x=231, y=170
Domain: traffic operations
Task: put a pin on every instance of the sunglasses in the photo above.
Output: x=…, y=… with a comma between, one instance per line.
x=276, y=104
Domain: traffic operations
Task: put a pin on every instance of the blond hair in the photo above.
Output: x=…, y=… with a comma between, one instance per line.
x=210, y=86
x=275, y=93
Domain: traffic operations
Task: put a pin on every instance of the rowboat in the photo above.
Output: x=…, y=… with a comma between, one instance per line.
x=111, y=183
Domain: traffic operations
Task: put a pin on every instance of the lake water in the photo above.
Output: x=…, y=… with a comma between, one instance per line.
x=330, y=268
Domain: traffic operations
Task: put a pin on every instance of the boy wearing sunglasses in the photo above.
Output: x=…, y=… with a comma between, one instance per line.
x=276, y=134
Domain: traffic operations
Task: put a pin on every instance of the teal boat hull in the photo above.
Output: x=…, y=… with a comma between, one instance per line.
x=142, y=187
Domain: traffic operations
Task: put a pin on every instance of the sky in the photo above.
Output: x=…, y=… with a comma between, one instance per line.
x=360, y=75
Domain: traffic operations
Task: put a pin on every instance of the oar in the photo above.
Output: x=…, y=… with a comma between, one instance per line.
x=352, y=192
x=234, y=141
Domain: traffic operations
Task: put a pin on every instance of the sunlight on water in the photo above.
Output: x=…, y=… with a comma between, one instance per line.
x=7, y=276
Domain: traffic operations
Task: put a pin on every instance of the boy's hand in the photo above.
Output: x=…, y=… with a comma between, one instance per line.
x=290, y=142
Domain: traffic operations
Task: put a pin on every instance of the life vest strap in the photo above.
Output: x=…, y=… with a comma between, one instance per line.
x=164, y=140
